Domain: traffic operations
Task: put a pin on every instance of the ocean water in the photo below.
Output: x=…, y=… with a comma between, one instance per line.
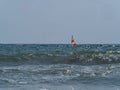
x=59, y=67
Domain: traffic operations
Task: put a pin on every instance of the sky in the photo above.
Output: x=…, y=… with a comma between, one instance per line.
x=55, y=21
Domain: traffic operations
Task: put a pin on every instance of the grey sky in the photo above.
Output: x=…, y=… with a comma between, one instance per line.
x=54, y=21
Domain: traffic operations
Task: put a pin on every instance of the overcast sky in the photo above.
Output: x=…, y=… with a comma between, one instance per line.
x=54, y=21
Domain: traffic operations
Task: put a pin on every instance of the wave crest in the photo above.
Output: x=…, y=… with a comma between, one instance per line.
x=80, y=57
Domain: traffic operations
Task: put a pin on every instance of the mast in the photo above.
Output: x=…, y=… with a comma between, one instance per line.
x=73, y=43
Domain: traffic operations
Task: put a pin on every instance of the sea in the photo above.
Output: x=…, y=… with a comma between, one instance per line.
x=59, y=67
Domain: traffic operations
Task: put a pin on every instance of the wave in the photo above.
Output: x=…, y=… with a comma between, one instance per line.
x=60, y=74
x=79, y=57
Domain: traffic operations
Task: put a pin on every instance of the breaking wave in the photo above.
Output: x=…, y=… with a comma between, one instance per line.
x=81, y=57
x=61, y=53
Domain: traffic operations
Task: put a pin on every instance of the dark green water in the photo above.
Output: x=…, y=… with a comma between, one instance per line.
x=59, y=66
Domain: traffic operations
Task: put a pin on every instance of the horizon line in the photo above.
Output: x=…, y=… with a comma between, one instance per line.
x=60, y=43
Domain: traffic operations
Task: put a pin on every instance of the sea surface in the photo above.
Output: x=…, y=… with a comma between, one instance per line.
x=59, y=67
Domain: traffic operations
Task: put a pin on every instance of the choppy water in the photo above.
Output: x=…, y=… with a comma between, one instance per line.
x=59, y=67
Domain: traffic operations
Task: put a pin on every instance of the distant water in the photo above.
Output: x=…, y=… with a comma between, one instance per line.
x=59, y=67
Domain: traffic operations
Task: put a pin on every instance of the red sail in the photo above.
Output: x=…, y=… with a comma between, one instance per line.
x=73, y=43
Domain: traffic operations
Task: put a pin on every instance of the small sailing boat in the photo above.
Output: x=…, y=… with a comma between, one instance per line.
x=73, y=43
